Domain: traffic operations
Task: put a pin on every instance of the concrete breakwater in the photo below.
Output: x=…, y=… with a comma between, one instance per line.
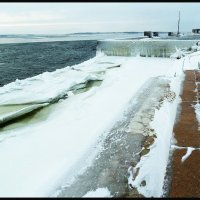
x=145, y=48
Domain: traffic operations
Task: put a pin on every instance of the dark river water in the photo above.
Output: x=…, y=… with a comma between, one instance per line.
x=23, y=60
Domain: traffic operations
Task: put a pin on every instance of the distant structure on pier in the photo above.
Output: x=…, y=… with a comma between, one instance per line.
x=151, y=34
x=196, y=30
x=172, y=33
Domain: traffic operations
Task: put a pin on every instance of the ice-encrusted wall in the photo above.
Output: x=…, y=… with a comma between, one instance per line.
x=148, y=48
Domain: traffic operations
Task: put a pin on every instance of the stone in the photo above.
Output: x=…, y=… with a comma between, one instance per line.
x=144, y=152
x=137, y=118
x=143, y=183
x=138, y=132
x=146, y=120
x=136, y=126
x=148, y=141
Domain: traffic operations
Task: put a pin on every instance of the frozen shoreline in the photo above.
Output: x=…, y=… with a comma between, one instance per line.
x=35, y=158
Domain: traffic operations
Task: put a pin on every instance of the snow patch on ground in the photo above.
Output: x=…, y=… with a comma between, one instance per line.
x=188, y=153
x=100, y=192
x=197, y=111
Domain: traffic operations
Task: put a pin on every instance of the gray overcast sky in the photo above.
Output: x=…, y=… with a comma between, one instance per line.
x=60, y=18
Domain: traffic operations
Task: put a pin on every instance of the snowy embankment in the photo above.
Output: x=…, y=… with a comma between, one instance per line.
x=35, y=158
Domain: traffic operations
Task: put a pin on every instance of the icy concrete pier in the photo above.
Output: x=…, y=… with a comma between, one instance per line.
x=145, y=48
x=186, y=156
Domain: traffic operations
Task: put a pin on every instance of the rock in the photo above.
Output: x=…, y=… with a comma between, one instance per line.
x=170, y=96
x=136, y=126
x=145, y=115
x=146, y=120
x=148, y=141
x=137, y=118
x=151, y=112
x=143, y=183
x=137, y=132
x=145, y=133
x=151, y=133
x=144, y=152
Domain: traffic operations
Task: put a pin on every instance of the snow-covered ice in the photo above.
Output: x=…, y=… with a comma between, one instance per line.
x=37, y=157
